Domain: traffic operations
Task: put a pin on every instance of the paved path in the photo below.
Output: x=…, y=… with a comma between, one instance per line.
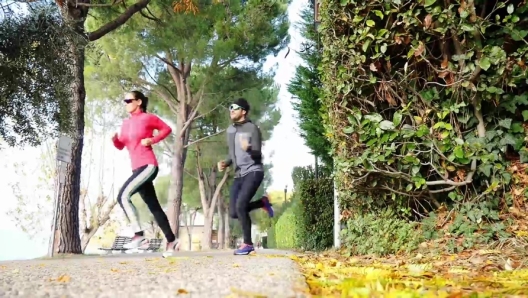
x=269, y=273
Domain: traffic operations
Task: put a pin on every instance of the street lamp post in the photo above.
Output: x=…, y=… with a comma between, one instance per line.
x=317, y=16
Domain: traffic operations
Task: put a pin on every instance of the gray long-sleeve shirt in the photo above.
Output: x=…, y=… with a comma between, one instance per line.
x=248, y=161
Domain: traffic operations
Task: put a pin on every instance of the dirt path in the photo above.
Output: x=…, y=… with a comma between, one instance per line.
x=203, y=274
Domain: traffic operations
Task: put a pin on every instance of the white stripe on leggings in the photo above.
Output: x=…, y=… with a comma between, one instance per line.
x=126, y=198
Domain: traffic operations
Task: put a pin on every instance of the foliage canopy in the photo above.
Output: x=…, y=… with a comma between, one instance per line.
x=34, y=76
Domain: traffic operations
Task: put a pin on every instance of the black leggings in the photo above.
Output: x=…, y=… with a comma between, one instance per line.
x=141, y=182
x=242, y=191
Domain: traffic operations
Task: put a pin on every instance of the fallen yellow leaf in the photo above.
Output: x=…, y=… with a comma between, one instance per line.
x=247, y=294
x=64, y=278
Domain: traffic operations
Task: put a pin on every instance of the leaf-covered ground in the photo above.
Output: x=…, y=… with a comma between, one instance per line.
x=478, y=273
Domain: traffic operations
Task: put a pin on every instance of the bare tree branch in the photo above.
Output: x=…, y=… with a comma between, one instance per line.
x=164, y=60
x=167, y=148
x=155, y=87
x=189, y=173
x=201, y=139
x=117, y=22
x=115, y=2
x=208, y=112
x=192, y=116
x=149, y=17
x=217, y=191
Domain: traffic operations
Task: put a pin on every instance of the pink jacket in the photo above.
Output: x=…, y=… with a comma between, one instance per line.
x=141, y=126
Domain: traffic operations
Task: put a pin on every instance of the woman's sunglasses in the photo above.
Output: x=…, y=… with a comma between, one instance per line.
x=234, y=107
x=128, y=100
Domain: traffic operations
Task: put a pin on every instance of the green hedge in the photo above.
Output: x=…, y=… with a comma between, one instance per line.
x=307, y=221
x=289, y=228
x=380, y=233
x=271, y=243
x=317, y=217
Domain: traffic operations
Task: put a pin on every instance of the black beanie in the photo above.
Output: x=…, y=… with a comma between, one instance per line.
x=242, y=103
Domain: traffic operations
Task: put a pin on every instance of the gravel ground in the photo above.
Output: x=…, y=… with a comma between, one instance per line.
x=269, y=273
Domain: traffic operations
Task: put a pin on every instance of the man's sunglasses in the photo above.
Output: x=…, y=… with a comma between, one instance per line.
x=234, y=107
x=128, y=100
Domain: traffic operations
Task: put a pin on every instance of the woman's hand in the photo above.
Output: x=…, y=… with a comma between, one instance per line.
x=146, y=142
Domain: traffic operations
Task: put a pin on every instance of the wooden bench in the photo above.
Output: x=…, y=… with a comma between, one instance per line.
x=119, y=241
x=153, y=245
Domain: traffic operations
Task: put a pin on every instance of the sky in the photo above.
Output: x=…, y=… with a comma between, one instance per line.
x=286, y=145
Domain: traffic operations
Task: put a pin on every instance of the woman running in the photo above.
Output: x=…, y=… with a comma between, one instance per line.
x=137, y=136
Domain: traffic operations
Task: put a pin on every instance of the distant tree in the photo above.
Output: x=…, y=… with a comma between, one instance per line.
x=305, y=87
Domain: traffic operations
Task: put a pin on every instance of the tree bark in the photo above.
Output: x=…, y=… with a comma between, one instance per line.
x=67, y=237
x=207, y=231
x=176, y=187
x=186, y=223
x=227, y=232
x=221, y=224
x=178, y=162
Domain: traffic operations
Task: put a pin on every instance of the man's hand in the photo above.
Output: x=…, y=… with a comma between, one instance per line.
x=221, y=166
x=146, y=142
x=244, y=143
x=115, y=136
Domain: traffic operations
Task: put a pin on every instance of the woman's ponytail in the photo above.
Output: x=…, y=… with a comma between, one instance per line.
x=144, y=99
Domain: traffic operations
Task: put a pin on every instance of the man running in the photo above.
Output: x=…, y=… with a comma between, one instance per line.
x=244, y=141
x=137, y=136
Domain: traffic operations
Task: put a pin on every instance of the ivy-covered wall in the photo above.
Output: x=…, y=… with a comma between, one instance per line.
x=427, y=107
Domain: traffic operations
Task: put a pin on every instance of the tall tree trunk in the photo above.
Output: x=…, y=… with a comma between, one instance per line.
x=189, y=234
x=67, y=237
x=178, y=163
x=221, y=224
x=227, y=232
x=207, y=231
x=176, y=187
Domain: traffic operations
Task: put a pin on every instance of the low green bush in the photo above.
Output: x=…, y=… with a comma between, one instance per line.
x=317, y=213
x=288, y=228
x=380, y=234
x=271, y=243
x=305, y=222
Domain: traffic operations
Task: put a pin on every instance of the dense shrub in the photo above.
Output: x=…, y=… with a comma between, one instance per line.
x=306, y=222
x=426, y=106
x=279, y=211
x=271, y=243
x=317, y=214
x=288, y=229
x=380, y=234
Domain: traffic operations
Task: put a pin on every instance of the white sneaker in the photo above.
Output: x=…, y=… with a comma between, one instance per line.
x=135, y=243
x=171, y=248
